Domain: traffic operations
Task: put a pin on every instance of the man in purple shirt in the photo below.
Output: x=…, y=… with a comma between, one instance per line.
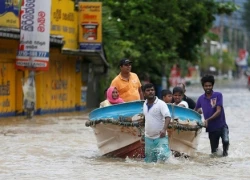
x=211, y=104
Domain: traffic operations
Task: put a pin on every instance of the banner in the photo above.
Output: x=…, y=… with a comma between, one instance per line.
x=90, y=25
x=64, y=22
x=9, y=12
x=29, y=93
x=33, y=51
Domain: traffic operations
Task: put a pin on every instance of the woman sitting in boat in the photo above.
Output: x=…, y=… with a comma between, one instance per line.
x=112, y=97
x=178, y=95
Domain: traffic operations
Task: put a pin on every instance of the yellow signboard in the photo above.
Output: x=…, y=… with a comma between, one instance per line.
x=64, y=22
x=9, y=13
x=90, y=25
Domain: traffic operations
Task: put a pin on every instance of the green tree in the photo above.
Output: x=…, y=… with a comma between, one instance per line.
x=154, y=27
x=157, y=33
x=212, y=61
x=166, y=31
x=115, y=47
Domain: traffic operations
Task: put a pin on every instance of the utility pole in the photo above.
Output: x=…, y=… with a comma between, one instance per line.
x=230, y=31
x=230, y=35
x=221, y=43
x=245, y=40
x=230, y=47
x=235, y=40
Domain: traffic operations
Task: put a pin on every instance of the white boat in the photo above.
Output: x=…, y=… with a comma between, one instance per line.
x=118, y=135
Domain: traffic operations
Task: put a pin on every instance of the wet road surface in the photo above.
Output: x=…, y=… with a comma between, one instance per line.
x=59, y=146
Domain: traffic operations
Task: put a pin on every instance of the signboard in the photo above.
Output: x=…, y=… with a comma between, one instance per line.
x=9, y=12
x=90, y=25
x=33, y=51
x=64, y=22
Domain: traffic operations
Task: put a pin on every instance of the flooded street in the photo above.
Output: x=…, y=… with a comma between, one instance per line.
x=61, y=147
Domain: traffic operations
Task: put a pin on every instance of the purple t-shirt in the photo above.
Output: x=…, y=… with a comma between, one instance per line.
x=208, y=106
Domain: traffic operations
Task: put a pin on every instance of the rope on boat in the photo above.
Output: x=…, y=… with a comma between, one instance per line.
x=115, y=122
x=181, y=127
x=128, y=123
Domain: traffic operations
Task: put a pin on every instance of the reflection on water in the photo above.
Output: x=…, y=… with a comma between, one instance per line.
x=61, y=147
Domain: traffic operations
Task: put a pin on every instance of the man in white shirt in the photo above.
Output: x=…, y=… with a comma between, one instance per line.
x=157, y=119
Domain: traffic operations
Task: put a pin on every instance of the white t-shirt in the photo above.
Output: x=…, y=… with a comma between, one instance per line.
x=155, y=118
x=184, y=103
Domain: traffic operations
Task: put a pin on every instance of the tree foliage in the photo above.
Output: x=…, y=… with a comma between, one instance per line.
x=155, y=34
x=212, y=61
x=226, y=8
x=163, y=31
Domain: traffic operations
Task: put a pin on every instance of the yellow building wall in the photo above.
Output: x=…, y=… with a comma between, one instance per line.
x=9, y=96
x=56, y=87
x=57, y=90
x=19, y=92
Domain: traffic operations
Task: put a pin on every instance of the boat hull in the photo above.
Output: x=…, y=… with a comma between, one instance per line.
x=117, y=140
x=184, y=142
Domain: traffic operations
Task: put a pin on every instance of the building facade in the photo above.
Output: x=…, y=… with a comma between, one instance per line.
x=70, y=84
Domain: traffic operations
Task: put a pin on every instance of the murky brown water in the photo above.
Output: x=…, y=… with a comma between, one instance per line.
x=61, y=147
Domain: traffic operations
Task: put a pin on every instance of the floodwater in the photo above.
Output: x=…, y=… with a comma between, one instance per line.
x=61, y=147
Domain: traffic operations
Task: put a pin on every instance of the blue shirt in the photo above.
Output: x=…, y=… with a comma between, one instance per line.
x=208, y=106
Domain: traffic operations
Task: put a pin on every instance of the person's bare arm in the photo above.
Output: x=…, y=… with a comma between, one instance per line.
x=216, y=114
x=164, y=130
x=141, y=94
x=198, y=110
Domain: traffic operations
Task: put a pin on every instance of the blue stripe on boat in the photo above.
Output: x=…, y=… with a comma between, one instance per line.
x=131, y=108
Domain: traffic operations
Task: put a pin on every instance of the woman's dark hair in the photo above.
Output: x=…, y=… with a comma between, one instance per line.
x=105, y=91
x=207, y=78
x=148, y=85
x=165, y=92
x=178, y=89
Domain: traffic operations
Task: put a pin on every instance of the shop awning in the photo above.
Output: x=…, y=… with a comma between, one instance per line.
x=97, y=57
x=13, y=33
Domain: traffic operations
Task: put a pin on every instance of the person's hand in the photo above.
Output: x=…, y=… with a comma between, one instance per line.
x=205, y=123
x=199, y=111
x=162, y=133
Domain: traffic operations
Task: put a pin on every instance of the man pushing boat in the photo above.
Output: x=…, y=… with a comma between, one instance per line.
x=211, y=104
x=157, y=119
